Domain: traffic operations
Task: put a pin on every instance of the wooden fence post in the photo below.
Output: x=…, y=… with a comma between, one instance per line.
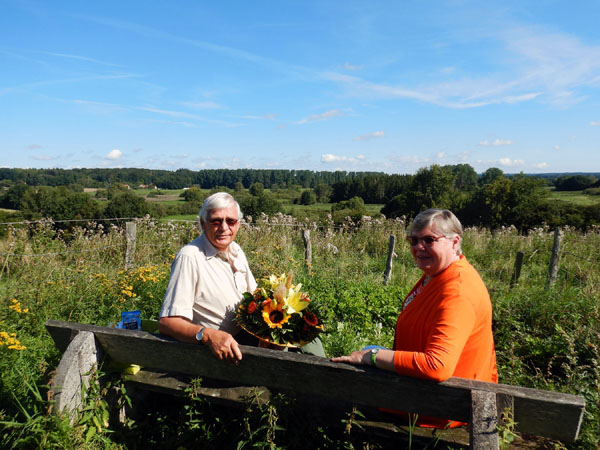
x=387, y=275
x=553, y=270
x=130, y=234
x=307, y=247
x=517, y=271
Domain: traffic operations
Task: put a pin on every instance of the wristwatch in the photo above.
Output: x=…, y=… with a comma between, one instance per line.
x=199, y=335
x=374, y=352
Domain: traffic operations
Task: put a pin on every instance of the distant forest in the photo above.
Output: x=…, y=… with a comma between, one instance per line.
x=178, y=179
x=491, y=199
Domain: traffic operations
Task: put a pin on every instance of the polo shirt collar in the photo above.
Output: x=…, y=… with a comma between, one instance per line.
x=211, y=251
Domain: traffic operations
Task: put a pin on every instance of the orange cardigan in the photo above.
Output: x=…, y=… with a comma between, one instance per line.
x=446, y=331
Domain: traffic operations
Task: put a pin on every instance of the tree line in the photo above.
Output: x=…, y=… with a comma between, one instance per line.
x=178, y=179
x=491, y=199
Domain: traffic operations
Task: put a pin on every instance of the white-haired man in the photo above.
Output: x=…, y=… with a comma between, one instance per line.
x=208, y=278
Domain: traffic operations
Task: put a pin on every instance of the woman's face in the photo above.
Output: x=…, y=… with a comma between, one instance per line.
x=438, y=255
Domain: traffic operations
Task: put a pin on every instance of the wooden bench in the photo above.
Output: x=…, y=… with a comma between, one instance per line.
x=536, y=412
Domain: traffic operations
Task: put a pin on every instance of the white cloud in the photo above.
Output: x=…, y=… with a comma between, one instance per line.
x=43, y=157
x=366, y=137
x=114, y=154
x=557, y=147
x=34, y=146
x=440, y=155
x=541, y=165
x=323, y=116
x=507, y=162
x=595, y=123
x=496, y=143
x=330, y=158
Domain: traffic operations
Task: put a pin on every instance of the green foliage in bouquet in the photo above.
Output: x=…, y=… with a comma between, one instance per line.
x=277, y=312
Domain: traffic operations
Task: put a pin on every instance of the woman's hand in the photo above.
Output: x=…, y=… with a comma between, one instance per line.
x=357, y=357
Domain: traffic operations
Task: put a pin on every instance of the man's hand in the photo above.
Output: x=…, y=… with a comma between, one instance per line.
x=222, y=344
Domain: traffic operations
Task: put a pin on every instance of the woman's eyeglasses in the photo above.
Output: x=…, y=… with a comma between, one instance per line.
x=218, y=222
x=426, y=240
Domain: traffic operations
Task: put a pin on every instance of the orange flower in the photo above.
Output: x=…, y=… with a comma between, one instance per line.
x=310, y=319
x=252, y=307
x=274, y=317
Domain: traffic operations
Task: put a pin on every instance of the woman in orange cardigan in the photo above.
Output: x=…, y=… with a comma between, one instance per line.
x=445, y=327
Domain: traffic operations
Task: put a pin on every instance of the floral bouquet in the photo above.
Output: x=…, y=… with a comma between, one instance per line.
x=277, y=312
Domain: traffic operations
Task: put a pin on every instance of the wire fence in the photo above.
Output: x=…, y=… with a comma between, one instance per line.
x=265, y=224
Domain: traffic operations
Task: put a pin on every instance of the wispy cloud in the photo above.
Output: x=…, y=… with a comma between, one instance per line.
x=34, y=85
x=101, y=107
x=201, y=105
x=595, y=123
x=323, y=116
x=186, y=115
x=44, y=157
x=546, y=65
x=366, y=137
x=349, y=66
x=263, y=117
x=231, y=52
x=496, y=143
x=82, y=58
x=34, y=146
x=540, y=165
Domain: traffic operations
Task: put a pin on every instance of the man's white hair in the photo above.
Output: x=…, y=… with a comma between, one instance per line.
x=218, y=200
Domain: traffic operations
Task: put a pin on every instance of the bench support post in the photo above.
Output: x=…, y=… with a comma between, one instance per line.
x=484, y=421
x=79, y=360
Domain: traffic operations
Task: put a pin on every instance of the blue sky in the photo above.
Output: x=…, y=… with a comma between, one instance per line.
x=320, y=85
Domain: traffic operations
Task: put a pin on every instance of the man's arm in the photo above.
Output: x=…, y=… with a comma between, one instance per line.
x=221, y=343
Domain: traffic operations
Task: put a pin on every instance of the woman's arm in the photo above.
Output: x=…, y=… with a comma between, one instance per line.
x=384, y=359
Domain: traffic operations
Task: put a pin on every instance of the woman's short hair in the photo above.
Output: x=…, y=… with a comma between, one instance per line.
x=218, y=200
x=442, y=220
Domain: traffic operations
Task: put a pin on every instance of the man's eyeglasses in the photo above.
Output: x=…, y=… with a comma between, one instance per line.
x=218, y=222
x=426, y=240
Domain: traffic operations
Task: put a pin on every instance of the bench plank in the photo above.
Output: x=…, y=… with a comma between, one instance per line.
x=558, y=415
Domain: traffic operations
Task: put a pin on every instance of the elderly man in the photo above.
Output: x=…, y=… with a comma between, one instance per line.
x=208, y=277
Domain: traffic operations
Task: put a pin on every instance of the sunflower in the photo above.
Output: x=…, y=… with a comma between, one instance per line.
x=275, y=317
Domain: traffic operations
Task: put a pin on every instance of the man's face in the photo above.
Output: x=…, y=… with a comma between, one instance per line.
x=221, y=227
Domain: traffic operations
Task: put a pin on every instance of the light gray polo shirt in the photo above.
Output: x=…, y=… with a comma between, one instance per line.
x=206, y=285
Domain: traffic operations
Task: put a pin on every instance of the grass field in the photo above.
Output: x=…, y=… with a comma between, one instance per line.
x=546, y=337
x=576, y=197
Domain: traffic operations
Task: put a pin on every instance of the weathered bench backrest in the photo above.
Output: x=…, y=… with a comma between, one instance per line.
x=538, y=412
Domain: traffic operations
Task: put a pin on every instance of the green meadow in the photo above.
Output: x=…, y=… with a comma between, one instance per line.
x=547, y=335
